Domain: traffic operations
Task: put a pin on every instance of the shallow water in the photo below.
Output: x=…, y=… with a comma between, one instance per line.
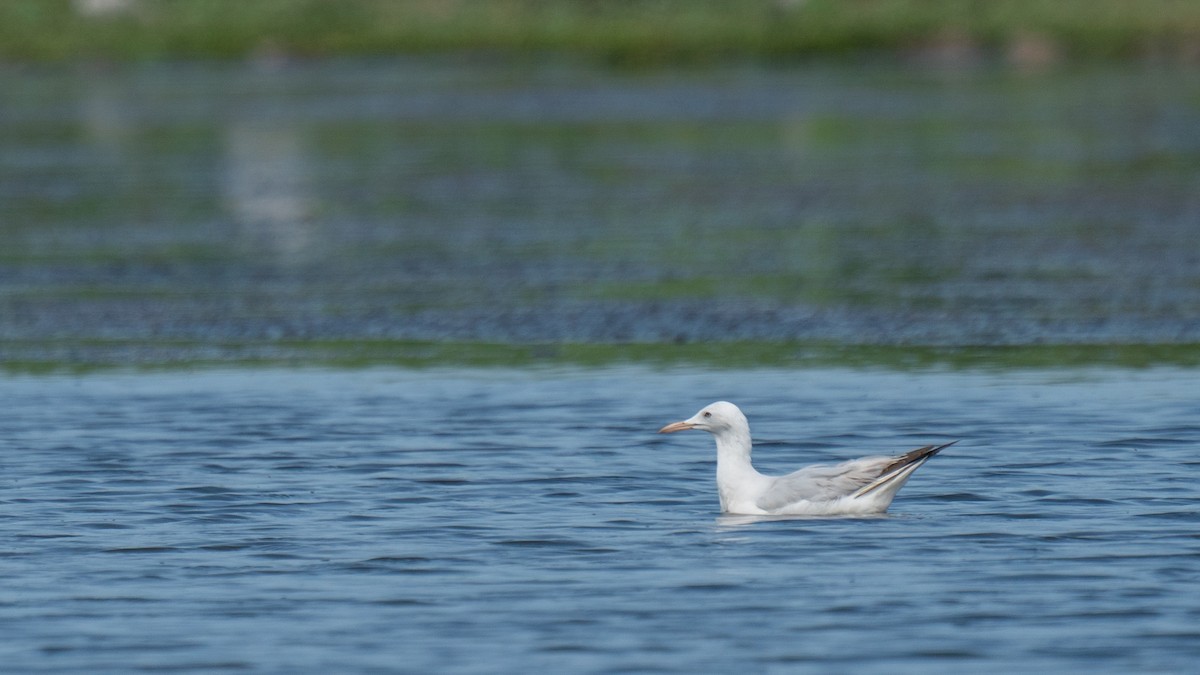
x=502, y=520
x=223, y=211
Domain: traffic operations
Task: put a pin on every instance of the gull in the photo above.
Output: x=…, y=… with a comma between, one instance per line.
x=857, y=487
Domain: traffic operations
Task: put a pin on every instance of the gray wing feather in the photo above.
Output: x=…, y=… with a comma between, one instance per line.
x=822, y=482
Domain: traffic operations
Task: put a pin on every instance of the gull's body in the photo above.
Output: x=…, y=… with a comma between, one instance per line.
x=857, y=487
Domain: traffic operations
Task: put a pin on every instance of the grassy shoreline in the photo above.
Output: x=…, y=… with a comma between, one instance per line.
x=87, y=356
x=627, y=32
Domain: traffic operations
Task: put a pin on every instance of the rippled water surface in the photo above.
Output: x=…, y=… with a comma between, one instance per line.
x=503, y=520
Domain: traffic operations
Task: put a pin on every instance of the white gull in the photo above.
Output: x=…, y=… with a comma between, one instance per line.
x=857, y=487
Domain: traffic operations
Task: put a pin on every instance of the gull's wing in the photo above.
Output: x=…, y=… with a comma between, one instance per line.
x=822, y=482
x=855, y=478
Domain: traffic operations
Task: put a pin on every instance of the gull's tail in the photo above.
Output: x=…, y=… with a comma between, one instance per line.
x=894, y=475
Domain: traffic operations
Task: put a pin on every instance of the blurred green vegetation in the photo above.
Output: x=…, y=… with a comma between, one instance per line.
x=99, y=355
x=618, y=31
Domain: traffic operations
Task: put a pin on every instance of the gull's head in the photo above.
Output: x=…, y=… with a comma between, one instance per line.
x=715, y=418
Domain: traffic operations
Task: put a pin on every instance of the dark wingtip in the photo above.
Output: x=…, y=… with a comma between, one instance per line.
x=939, y=448
x=918, y=455
x=913, y=459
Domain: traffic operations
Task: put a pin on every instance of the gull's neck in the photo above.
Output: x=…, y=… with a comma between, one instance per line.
x=733, y=446
x=737, y=480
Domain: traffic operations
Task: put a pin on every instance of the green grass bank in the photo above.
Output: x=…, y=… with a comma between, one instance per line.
x=98, y=355
x=618, y=31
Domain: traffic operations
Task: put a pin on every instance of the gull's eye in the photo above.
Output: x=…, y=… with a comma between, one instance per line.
x=708, y=414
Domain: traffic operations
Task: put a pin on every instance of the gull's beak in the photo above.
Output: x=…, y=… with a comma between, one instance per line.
x=676, y=426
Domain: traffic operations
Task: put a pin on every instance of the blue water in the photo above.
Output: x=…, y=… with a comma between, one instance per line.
x=269, y=521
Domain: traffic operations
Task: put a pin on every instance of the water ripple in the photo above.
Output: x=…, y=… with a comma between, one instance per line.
x=597, y=548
